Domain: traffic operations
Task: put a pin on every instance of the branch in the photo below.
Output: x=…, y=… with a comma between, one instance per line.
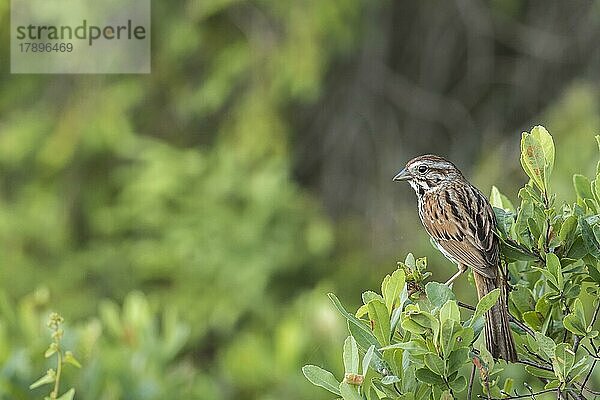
x=510, y=317
x=471, y=380
x=531, y=363
x=523, y=396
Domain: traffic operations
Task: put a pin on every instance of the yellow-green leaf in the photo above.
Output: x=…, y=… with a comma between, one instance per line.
x=537, y=156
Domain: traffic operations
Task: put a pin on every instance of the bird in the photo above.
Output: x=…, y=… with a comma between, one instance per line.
x=462, y=224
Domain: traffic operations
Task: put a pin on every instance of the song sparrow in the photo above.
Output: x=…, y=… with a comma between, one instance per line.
x=461, y=222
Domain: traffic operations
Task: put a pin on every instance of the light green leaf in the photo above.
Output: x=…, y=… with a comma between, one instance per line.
x=393, y=288
x=446, y=395
x=48, y=378
x=427, y=376
x=434, y=363
x=554, y=267
x=499, y=200
x=450, y=311
x=367, y=360
x=52, y=349
x=540, y=373
x=533, y=319
x=589, y=239
x=389, y=379
x=349, y=392
x=450, y=328
x=567, y=230
x=358, y=327
x=583, y=187
x=546, y=345
x=68, y=395
x=370, y=295
x=438, y=293
x=350, y=355
x=485, y=304
x=537, y=156
x=378, y=314
x=457, y=359
x=563, y=361
x=320, y=377
x=575, y=321
x=459, y=384
x=70, y=359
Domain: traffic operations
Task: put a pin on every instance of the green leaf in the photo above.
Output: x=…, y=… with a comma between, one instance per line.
x=434, y=363
x=589, y=239
x=499, y=200
x=540, y=373
x=449, y=311
x=349, y=392
x=563, y=361
x=514, y=253
x=546, y=345
x=378, y=314
x=486, y=303
x=575, y=321
x=554, y=267
x=427, y=376
x=367, y=360
x=68, y=395
x=438, y=293
x=320, y=377
x=393, y=288
x=450, y=329
x=533, y=319
x=537, y=156
x=389, y=379
x=419, y=322
x=446, y=395
x=48, y=378
x=70, y=359
x=370, y=295
x=583, y=187
x=459, y=384
x=350, y=356
x=52, y=349
x=457, y=359
x=359, y=328
x=567, y=230
x=505, y=220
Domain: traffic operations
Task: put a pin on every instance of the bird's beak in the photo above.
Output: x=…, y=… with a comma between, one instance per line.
x=403, y=175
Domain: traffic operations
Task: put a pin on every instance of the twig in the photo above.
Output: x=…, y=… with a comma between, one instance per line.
x=531, y=353
x=523, y=396
x=587, y=378
x=595, y=316
x=531, y=363
x=510, y=317
x=587, y=389
x=471, y=380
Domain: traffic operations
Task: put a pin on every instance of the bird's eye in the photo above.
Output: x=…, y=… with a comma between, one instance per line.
x=422, y=169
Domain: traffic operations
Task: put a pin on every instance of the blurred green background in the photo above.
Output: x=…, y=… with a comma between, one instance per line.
x=188, y=223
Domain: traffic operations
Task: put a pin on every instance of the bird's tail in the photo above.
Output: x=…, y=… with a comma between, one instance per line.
x=498, y=337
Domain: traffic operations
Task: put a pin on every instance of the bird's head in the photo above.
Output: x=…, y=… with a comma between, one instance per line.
x=427, y=172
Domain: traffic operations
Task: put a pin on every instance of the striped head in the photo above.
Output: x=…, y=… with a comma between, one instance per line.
x=428, y=172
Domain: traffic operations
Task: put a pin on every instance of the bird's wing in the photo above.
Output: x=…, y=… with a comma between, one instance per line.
x=461, y=221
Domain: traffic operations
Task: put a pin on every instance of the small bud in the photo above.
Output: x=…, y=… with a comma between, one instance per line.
x=354, y=379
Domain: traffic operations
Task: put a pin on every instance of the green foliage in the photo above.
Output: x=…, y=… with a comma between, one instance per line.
x=421, y=345
x=179, y=184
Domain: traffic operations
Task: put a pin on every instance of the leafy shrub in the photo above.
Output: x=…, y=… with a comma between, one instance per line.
x=417, y=344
